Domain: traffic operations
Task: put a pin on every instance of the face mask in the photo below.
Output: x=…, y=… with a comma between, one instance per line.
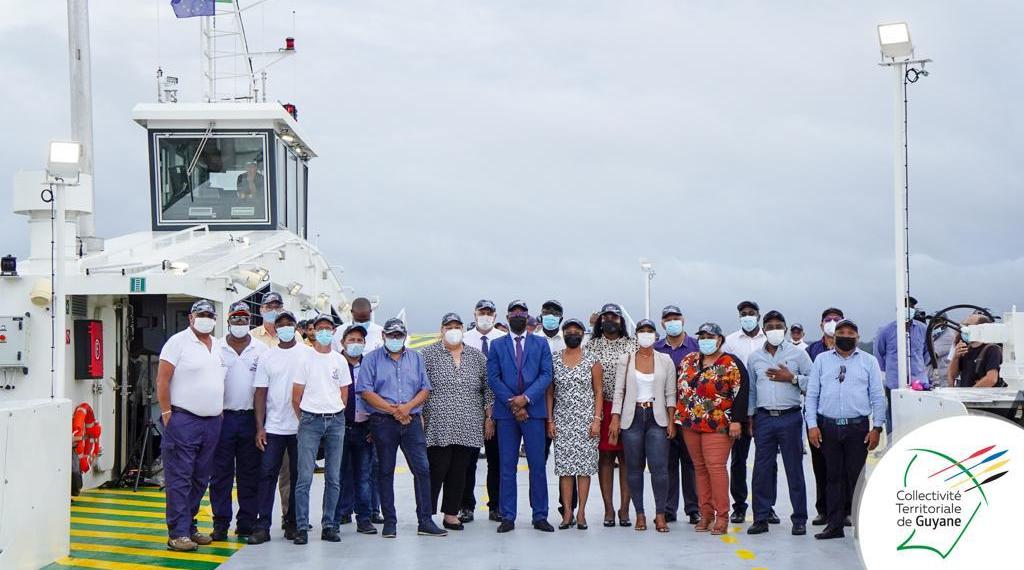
x=517, y=324
x=708, y=345
x=573, y=340
x=394, y=344
x=610, y=327
x=775, y=337
x=485, y=322
x=286, y=334
x=355, y=350
x=830, y=328
x=910, y=313
x=239, y=331
x=748, y=323
x=364, y=324
x=646, y=339
x=324, y=337
x=674, y=328
x=269, y=315
x=550, y=322
x=453, y=336
x=204, y=325
x=846, y=343
x=965, y=335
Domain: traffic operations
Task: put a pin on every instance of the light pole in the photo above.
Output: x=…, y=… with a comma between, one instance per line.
x=648, y=271
x=898, y=54
x=63, y=168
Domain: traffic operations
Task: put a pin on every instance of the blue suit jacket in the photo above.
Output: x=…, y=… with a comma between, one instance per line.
x=503, y=376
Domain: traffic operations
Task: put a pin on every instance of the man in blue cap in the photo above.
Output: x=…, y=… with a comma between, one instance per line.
x=190, y=389
x=519, y=371
x=271, y=305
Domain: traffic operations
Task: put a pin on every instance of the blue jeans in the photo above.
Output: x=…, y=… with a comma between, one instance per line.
x=313, y=430
x=646, y=444
x=774, y=434
x=388, y=437
x=356, y=463
x=278, y=446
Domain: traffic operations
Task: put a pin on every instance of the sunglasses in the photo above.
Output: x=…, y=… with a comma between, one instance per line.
x=518, y=314
x=842, y=373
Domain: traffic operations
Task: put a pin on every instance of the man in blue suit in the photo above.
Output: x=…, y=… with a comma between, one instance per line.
x=519, y=373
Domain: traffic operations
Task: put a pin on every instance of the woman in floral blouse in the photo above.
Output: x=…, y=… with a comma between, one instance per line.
x=712, y=404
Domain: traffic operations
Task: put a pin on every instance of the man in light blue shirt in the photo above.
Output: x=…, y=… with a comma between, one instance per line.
x=844, y=389
x=779, y=371
x=885, y=351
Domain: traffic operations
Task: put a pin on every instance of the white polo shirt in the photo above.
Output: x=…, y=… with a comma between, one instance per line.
x=238, y=386
x=323, y=375
x=276, y=371
x=197, y=384
x=374, y=337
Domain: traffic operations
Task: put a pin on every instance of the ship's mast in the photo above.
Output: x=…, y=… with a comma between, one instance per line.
x=81, y=98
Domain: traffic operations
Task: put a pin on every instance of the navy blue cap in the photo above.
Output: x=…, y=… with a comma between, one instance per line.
x=451, y=318
x=573, y=322
x=832, y=311
x=203, y=306
x=847, y=323
x=710, y=328
x=553, y=303
x=796, y=327
x=353, y=328
x=671, y=310
x=531, y=321
x=239, y=308
x=285, y=313
x=394, y=325
x=746, y=304
x=272, y=297
x=773, y=314
x=518, y=303
x=322, y=317
x=486, y=304
x=611, y=308
x=646, y=323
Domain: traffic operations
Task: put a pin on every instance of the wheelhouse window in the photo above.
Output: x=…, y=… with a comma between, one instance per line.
x=218, y=178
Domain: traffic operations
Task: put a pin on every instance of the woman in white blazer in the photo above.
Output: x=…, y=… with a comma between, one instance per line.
x=643, y=413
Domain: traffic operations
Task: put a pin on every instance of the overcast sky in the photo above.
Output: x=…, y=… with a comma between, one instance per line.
x=539, y=149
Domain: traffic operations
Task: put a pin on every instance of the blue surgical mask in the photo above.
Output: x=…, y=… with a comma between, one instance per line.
x=910, y=313
x=550, y=322
x=286, y=334
x=324, y=337
x=674, y=328
x=965, y=335
x=708, y=345
x=748, y=323
x=355, y=350
x=394, y=344
x=269, y=316
x=364, y=324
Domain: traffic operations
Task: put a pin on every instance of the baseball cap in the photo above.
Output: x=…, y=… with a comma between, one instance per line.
x=394, y=325
x=847, y=323
x=796, y=327
x=531, y=321
x=671, y=310
x=646, y=323
x=832, y=311
x=322, y=317
x=611, y=308
x=203, y=306
x=239, y=308
x=518, y=303
x=553, y=304
x=573, y=322
x=485, y=304
x=285, y=313
x=746, y=304
x=710, y=328
x=773, y=314
x=352, y=328
x=272, y=297
x=450, y=318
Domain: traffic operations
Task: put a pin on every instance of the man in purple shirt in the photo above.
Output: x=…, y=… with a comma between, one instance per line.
x=678, y=344
x=885, y=351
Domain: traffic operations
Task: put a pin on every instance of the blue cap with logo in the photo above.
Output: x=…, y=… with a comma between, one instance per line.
x=486, y=304
x=710, y=328
x=203, y=306
x=272, y=297
x=671, y=310
x=322, y=317
x=395, y=325
x=451, y=318
x=518, y=303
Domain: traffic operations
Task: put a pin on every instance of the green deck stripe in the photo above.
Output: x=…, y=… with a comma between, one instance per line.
x=127, y=496
x=115, y=528
x=129, y=518
x=154, y=509
x=152, y=561
x=159, y=547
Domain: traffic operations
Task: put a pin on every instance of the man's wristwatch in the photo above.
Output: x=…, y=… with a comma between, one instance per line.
x=877, y=429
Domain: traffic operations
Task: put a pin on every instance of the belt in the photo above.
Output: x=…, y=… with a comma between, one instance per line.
x=330, y=415
x=843, y=421
x=777, y=413
x=645, y=405
x=238, y=412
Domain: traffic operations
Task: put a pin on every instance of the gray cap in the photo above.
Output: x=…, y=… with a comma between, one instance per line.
x=203, y=306
x=450, y=318
x=847, y=323
x=611, y=308
x=272, y=297
x=574, y=322
x=671, y=310
x=285, y=313
x=394, y=325
x=322, y=317
x=646, y=323
x=710, y=328
x=239, y=308
x=518, y=303
x=486, y=304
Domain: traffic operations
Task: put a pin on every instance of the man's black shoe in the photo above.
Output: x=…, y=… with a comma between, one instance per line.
x=694, y=518
x=847, y=522
x=219, y=534
x=738, y=517
x=799, y=529
x=494, y=516
x=543, y=526
x=819, y=520
x=330, y=535
x=430, y=529
x=506, y=526
x=258, y=537
x=451, y=526
x=375, y=518
x=759, y=527
x=301, y=537
x=346, y=519
x=289, y=533
x=466, y=515
x=243, y=532
x=830, y=533
x=773, y=518
x=670, y=517
x=389, y=531
x=365, y=528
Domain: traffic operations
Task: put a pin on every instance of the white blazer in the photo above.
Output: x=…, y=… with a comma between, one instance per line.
x=625, y=388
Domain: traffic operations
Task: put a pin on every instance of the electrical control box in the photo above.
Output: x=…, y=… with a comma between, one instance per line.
x=13, y=342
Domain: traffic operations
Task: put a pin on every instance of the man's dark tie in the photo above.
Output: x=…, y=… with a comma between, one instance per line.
x=483, y=345
x=519, y=361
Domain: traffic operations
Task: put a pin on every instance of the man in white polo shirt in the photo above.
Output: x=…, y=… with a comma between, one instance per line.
x=319, y=395
x=237, y=456
x=276, y=424
x=190, y=389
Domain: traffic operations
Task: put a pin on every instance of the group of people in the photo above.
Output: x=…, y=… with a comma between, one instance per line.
x=256, y=409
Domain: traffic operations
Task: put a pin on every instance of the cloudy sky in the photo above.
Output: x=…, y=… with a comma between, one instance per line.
x=539, y=149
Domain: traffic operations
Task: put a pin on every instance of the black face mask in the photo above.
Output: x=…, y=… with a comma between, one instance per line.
x=846, y=343
x=573, y=340
x=610, y=327
x=517, y=324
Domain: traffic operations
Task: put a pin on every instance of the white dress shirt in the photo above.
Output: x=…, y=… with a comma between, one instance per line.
x=741, y=345
x=555, y=343
x=473, y=338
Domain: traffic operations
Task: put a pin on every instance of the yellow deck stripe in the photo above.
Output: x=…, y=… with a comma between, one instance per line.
x=126, y=524
x=125, y=502
x=141, y=537
x=157, y=494
x=108, y=549
x=101, y=564
x=141, y=514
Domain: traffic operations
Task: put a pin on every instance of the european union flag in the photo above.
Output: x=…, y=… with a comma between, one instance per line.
x=192, y=8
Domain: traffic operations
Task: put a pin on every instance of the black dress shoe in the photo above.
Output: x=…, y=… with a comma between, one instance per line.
x=847, y=522
x=759, y=527
x=773, y=518
x=738, y=517
x=543, y=526
x=330, y=535
x=819, y=520
x=389, y=531
x=219, y=534
x=375, y=518
x=466, y=515
x=243, y=532
x=670, y=517
x=506, y=526
x=365, y=528
x=494, y=516
x=289, y=533
x=451, y=526
x=566, y=525
x=346, y=519
x=799, y=529
x=830, y=533
x=258, y=537
x=694, y=518
x=301, y=537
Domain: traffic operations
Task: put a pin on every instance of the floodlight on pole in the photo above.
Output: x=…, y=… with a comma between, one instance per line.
x=894, y=39
x=65, y=160
x=648, y=270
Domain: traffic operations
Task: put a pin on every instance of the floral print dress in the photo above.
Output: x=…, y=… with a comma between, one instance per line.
x=710, y=398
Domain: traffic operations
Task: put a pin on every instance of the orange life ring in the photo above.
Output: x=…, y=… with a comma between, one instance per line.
x=86, y=432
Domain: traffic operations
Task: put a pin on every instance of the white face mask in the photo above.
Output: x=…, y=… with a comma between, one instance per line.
x=239, y=331
x=485, y=322
x=204, y=325
x=775, y=337
x=830, y=328
x=453, y=336
x=646, y=339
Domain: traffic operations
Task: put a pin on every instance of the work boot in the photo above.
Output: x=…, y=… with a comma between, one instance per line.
x=201, y=539
x=182, y=544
